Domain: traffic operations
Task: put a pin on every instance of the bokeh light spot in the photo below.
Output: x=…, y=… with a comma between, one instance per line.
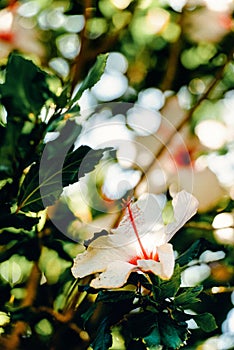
x=211, y=133
x=68, y=45
x=143, y=122
x=111, y=86
x=223, y=220
x=44, y=327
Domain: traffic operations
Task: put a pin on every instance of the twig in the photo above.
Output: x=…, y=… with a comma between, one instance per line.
x=173, y=60
x=172, y=66
x=87, y=52
x=63, y=318
x=80, y=60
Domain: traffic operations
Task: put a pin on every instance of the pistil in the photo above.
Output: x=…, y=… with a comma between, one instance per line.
x=145, y=255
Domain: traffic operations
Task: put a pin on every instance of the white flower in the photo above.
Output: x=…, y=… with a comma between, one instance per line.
x=138, y=244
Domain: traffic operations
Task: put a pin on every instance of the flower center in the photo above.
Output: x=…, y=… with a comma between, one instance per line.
x=151, y=256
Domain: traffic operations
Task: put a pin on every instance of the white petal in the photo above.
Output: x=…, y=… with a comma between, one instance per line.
x=167, y=259
x=152, y=213
x=115, y=276
x=147, y=213
x=96, y=260
x=185, y=206
x=164, y=267
x=150, y=265
x=112, y=241
x=90, y=262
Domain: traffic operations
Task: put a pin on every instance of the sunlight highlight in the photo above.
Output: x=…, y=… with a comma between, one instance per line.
x=223, y=220
x=211, y=133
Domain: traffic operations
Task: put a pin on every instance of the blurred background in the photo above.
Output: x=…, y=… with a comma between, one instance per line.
x=166, y=103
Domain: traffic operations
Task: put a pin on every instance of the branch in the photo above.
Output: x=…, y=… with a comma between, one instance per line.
x=173, y=60
x=184, y=120
x=87, y=52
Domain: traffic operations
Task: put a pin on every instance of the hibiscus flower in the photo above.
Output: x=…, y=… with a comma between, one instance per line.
x=138, y=244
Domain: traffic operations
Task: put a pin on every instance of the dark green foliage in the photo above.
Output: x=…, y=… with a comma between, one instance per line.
x=115, y=297
x=8, y=152
x=205, y=321
x=167, y=289
x=173, y=334
x=58, y=246
x=154, y=338
x=33, y=175
x=18, y=221
x=86, y=315
x=93, y=76
x=27, y=246
x=193, y=252
x=68, y=133
x=44, y=182
x=152, y=318
x=20, y=96
x=103, y=339
x=188, y=296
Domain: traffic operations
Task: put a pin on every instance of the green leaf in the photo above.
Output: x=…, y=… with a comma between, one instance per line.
x=115, y=297
x=62, y=100
x=27, y=247
x=28, y=92
x=68, y=134
x=9, y=138
x=139, y=325
x=74, y=110
x=58, y=246
x=44, y=182
x=8, y=236
x=188, y=296
x=136, y=345
x=153, y=339
x=18, y=221
x=86, y=315
x=136, y=278
x=192, y=252
x=173, y=334
x=18, y=141
x=10, y=250
x=205, y=321
x=80, y=162
x=103, y=340
x=93, y=76
x=170, y=287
